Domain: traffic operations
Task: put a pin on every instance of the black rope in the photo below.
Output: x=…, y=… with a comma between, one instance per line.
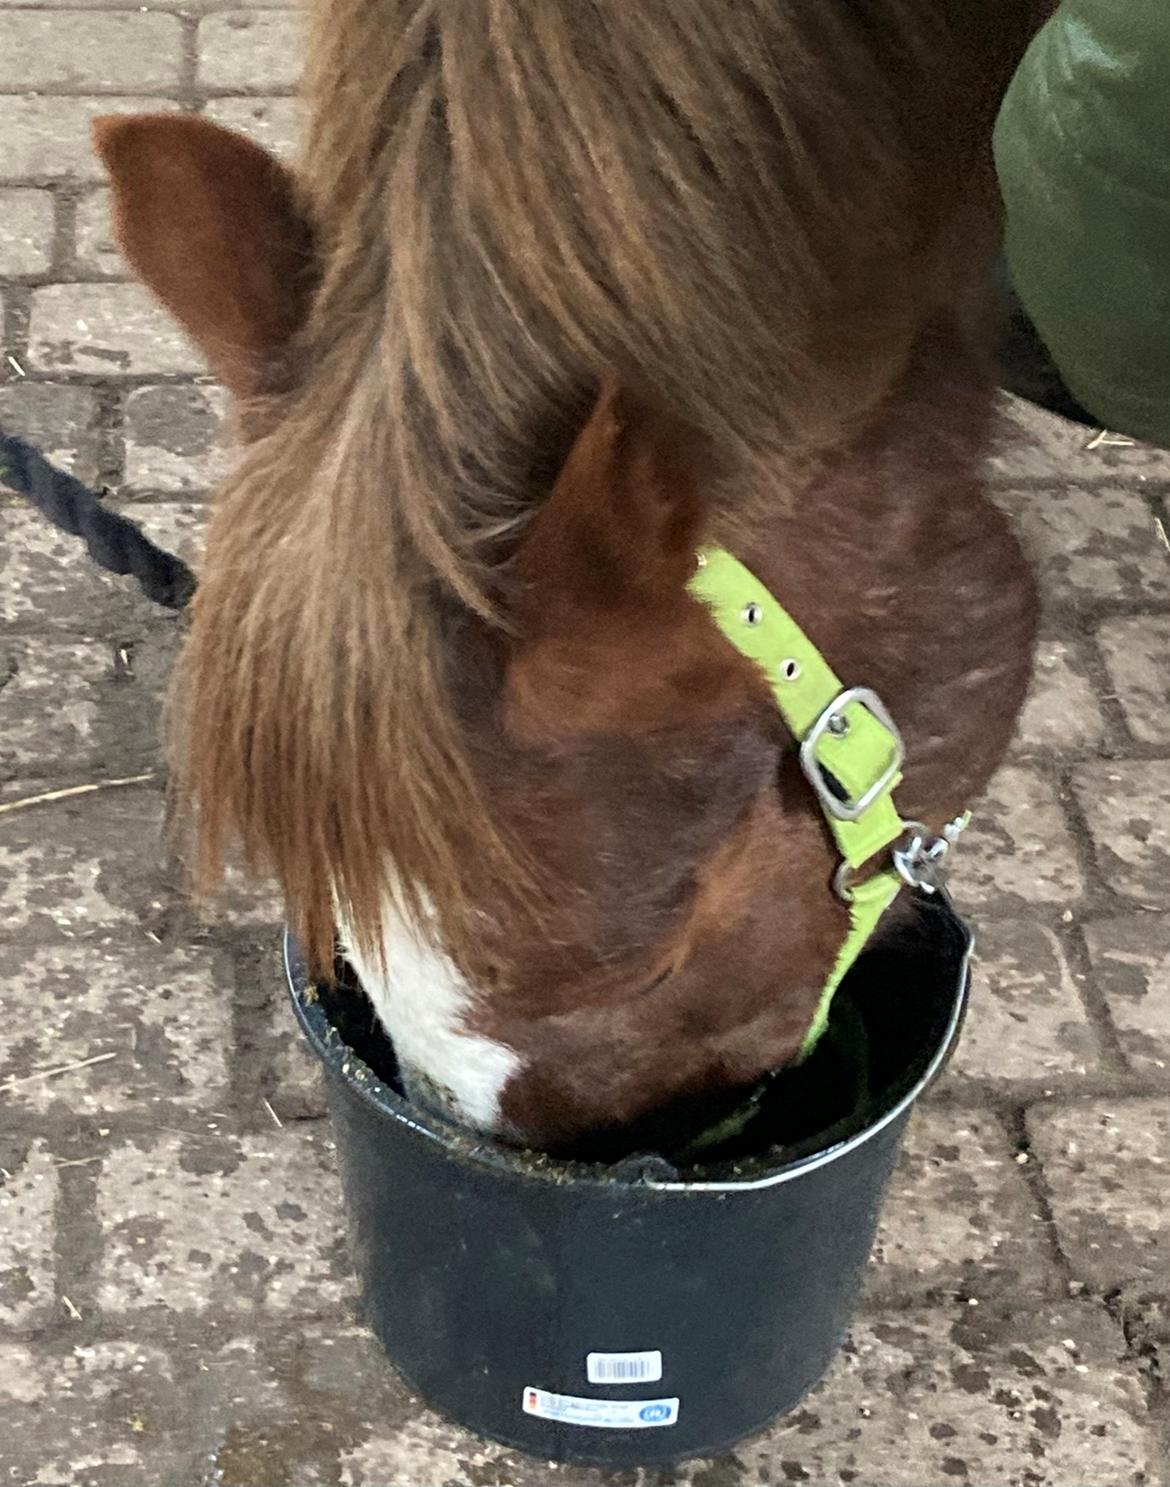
x=113, y=541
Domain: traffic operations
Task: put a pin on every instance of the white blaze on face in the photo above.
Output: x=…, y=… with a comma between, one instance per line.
x=424, y=1004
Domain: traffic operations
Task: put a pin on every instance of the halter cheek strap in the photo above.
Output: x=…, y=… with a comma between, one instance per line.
x=850, y=750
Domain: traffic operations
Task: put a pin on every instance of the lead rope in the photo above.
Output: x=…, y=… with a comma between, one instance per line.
x=112, y=540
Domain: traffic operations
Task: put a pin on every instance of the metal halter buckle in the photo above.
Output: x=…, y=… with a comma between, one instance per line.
x=833, y=716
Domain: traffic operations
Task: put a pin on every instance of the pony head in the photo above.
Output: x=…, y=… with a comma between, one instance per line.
x=545, y=304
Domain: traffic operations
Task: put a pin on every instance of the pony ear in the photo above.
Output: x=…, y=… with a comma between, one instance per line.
x=620, y=527
x=607, y=636
x=209, y=221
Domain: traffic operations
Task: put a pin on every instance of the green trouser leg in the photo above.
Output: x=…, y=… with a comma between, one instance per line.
x=1082, y=148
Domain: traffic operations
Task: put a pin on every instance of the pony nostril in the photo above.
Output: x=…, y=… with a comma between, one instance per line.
x=753, y=614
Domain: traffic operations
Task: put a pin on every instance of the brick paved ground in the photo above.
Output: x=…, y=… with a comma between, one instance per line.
x=175, y=1304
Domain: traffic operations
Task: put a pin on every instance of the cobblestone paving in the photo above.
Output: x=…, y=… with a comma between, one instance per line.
x=175, y=1302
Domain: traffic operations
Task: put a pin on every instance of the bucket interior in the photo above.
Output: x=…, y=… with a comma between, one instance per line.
x=891, y=1017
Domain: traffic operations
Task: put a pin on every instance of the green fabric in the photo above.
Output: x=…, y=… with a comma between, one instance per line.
x=858, y=758
x=869, y=902
x=804, y=685
x=1082, y=148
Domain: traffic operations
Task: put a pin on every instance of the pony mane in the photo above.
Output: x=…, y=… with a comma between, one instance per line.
x=738, y=210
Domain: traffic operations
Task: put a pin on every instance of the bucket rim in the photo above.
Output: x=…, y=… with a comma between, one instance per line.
x=340, y=1060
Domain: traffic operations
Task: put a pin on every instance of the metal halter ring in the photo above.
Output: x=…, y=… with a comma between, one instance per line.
x=842, y=886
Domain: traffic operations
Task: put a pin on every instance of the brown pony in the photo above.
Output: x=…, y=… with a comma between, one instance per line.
x=557, y=291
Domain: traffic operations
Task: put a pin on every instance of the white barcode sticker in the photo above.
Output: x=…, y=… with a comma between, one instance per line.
x=623, y=1368
x=601, y=1414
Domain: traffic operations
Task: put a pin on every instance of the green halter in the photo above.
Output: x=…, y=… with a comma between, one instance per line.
x=850, y=750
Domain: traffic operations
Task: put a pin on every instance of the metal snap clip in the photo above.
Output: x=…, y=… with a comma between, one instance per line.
x=919, y=863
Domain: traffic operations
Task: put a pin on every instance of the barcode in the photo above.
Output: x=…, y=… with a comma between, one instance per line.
x=621, y=1369
x=624, y=1368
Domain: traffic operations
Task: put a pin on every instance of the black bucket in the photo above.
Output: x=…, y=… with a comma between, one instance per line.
x=632, y=1314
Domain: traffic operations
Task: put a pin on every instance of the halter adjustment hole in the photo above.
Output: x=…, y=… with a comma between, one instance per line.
x=753, y=614
x=789, y=670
